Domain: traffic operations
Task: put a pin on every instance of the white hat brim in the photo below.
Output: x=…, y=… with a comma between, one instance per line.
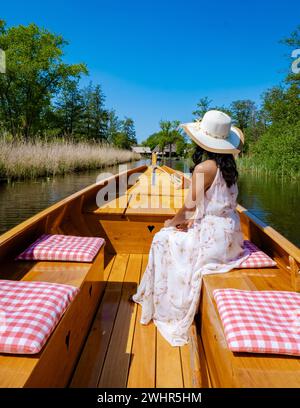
x=232, y=144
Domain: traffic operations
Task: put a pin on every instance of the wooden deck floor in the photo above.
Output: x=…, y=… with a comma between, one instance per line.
x=120, y=352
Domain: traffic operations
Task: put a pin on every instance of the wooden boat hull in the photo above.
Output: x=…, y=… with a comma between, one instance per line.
x=108, y=351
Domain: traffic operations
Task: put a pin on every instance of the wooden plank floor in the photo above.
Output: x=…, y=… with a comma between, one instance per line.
x=120, y=352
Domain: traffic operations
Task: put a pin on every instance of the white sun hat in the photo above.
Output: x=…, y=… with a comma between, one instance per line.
x=215, y=133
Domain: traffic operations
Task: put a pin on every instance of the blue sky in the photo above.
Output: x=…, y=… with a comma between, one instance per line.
x=155, y=59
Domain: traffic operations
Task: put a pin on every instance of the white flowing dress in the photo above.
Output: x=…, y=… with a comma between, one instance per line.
x=169, y=291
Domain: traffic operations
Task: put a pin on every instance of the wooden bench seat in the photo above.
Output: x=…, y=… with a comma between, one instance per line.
x=228, y=369
x=53, y=366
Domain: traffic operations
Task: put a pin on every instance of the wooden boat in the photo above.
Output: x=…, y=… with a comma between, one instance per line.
x=99, y=341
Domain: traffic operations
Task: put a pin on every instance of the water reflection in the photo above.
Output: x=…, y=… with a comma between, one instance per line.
x=20, y=200
x=274, y=200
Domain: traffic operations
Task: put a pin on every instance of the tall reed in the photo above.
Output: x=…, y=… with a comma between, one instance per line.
x=257, y=166
x=22, y=160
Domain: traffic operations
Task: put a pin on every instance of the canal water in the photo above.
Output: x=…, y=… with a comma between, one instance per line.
x=273, y=200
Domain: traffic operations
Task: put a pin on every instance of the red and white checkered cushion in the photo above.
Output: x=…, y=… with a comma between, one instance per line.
x=63, y=248
x=260, y=321
x=29, y=312
x=257, y=258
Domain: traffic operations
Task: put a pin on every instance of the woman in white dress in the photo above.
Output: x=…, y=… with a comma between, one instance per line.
x=203, y=237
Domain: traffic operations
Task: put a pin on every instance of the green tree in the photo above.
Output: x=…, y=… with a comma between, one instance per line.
x=95, y=116
x=202, y=107
x=121, y=141
x=153, y=140
x=181, y=146
x=126, y=136
x=274, y=104
x=113, y=126
x=100, y=115
x=69, y=108
x=166, y=134
x=128, y=129
x=243, y=113
x=293, y=42
x=169, y=134
x=35, y=71
x=205, y=104
x=282, y=103
x=87, y=116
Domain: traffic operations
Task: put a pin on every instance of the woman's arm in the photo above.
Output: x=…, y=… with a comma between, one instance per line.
x=202, y=178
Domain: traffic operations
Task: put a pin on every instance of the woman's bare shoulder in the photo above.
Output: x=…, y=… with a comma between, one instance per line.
x=209, y=170
x=208, y=167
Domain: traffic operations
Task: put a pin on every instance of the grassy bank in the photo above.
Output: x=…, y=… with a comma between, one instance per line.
x=27, y=160
x=254, y=165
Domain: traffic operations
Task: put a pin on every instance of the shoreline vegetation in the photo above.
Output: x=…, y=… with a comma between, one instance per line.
x=252, y=165
x=47, y=114
x=29, y=160
x=50, y=124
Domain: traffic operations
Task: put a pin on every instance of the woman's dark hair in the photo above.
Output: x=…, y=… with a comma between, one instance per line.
x=225, y=162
